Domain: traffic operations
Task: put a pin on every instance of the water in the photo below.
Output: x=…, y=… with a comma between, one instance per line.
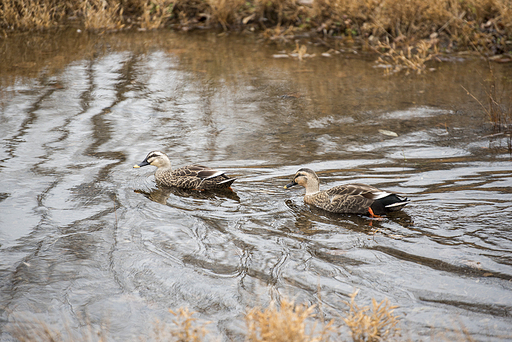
x=86, y=240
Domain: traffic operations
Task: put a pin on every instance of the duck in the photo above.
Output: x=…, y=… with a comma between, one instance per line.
x=192, y=177
x=347, y=199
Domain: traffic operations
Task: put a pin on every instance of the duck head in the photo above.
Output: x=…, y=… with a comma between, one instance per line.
x=155, y=158
x=306, y=178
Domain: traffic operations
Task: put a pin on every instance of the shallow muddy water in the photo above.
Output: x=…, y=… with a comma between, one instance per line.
x=86, y=240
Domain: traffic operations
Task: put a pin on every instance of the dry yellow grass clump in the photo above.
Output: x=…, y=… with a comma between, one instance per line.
x=408, y=58
x=286, y=322
x=374, y=324
x=185, y=328
x=292, y=322
x=100, y=14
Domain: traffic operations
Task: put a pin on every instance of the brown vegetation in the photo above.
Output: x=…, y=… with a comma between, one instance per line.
x=27, y=329
x=371, y=325
x=450, y=24
x=276, y=323
x=409, y=58
x=498, y=109
x=288, y=322
x=184, y=328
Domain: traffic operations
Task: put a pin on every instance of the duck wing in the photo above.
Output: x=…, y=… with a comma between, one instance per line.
x=210, y=174
x=202, y=172
x=366, y=191
x=202, y=177
x=347, y=199
x=357, y=198
x=381, y=201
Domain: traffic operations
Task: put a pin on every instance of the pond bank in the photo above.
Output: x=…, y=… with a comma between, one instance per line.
x=449, y=26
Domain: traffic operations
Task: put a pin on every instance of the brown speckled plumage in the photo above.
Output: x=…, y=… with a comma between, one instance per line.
x=188, y=177
x=346, y=199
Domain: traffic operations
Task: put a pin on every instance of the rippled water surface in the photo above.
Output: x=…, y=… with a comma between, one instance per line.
x=85, y=239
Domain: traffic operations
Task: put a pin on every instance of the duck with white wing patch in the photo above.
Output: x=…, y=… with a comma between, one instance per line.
x=347, y=199
x=194, y=177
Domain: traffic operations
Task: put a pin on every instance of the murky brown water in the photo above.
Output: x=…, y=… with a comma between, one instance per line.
x=86, y=238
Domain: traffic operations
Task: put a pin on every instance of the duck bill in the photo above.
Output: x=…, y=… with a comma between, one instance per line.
x=289, y=185
x=144, y=163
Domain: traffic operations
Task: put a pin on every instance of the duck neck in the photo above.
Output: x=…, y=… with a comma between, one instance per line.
x=163, y=167
x=312, y=188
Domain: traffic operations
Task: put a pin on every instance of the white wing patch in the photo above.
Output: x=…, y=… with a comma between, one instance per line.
x=213, y=175
x=397, y=204
x=380, y=194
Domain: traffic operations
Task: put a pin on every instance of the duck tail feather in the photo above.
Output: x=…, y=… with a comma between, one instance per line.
x=227, y=182
x=393, y=202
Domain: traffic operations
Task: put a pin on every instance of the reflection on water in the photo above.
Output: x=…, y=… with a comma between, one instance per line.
x=307, y=218
x=161, y=194
x=84, y=237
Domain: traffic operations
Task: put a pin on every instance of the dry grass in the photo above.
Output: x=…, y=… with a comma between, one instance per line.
x=279, y=33
x=482, y=24
x=102, y=14
x=374, y=324
x=498, y=109
x=276, y=323
x=156, y=13
x=409, y=57
x=464, y=22
x=286, y=322
x=185, y=328
x=225, y=12
x=24, y=15
x=281, y=13
x=29, y=329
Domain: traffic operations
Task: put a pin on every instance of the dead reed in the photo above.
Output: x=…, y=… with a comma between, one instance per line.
x=225, y=12
x=498, y=108
x=156, y=13
x=282, y=322
x=184, y=328
x=395, y=59
x=482, y=24
x=25, y=15
x=374, y=324
x=29, y=329
x=100, y=14
x=286, y=322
